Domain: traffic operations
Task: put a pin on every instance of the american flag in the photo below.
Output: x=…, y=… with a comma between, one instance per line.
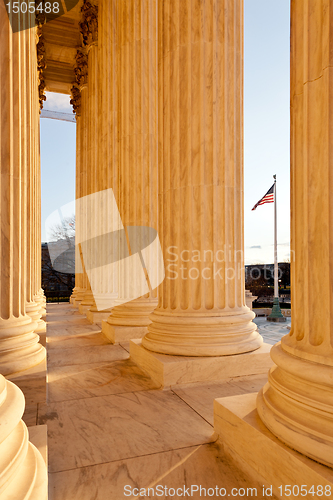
x=268, y=198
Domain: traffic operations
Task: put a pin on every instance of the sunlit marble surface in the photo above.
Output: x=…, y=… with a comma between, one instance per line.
x=200, y=397
x=272, y=332
x=109, y=425
x=203, y=465
x=96, y=379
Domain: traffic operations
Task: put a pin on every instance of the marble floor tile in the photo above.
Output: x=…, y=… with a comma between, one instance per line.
x=205, y=465
x=77, y=327
x=71, y=340
x=103, y=429
x=98, y=379
x=91, y=354
x=33, y=388
x=250, y=384
x=201, y=397
x=125, y=345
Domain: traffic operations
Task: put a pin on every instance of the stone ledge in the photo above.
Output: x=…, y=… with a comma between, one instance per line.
x=75, y=303
x=83, y=308
x=96, y=317
x=118, y=333
x=169, y=370
x=259, y=453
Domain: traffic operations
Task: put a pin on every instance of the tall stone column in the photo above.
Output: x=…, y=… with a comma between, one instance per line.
x=76, y=103
x=138, y=153
x=95, y=218
x=201, y=309
x=80, y=103
x=35, y=301
x=39, y=296
x=88, y=28
x=297, y=402
x=107, y=169
x=19, y=347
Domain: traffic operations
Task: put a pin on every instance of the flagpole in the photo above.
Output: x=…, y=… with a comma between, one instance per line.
x=276, y=269
x=276, y=314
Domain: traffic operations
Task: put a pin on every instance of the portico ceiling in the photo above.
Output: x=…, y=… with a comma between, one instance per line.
x=61, y=38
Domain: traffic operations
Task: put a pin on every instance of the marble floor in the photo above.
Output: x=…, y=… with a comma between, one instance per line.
x=110, y=426
x=272, y=332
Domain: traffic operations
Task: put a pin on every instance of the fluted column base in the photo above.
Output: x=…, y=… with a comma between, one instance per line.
x=296, y=404
x=273, y=464
x=74, y=294
x=79, y=297
x=196, y=334
x=23, y=473
x=41, y=300
x=249, y=299
x=41, y=324
x=19, y=345
x=33, y=309
x=130, y=320
x=95, y=315
x=87, y=302
x=169, y=370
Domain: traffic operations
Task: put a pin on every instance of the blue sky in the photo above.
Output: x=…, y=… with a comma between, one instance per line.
x=266, y=133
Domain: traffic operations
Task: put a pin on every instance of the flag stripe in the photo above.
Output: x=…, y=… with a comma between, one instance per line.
x=268, y=198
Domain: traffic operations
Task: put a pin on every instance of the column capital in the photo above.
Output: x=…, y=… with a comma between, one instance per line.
x=41, y=63
x=89, y=23
x=81, y=67
x=76, y=99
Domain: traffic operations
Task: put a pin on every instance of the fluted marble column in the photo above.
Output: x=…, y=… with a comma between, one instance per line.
x=105, y=286
x=19, y=347
x=103, y=99
x=34, y=306
x=201, y=310
x=83, y=176
x=78, y=290
x=82, y=114
x=88, y=27
x=137, y=200
x=297, y=403
x=39, y=296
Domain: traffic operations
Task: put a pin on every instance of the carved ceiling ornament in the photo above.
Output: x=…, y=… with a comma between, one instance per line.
x=81, y=67
x=89, y=24
x=76, y=99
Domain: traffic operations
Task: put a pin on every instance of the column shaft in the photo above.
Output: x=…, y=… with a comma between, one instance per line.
x=91, y=159
x=201, y=310
x=80, y=105
x=297, y=403
x=105, y=283
x=19, y=347
x=28, y=153
x=137, y=197
x=77, y=294
x=89, y=32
